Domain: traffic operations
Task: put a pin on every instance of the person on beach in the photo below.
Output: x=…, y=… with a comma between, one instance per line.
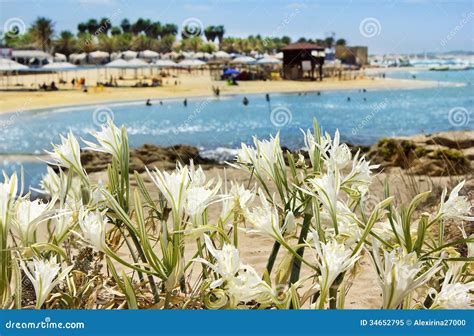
x=161, y=102
x=267, y=97
x=148, y=102
x=245, y=101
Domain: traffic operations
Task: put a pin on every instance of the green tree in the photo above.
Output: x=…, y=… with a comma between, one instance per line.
x=169, y=29
x=92, y=26
x=82, y=28
x=66, y=43
x=219, y=31
x=115, y=31
x=210, y=33
x=341, y=42
x=126, y=26
x=42, y=32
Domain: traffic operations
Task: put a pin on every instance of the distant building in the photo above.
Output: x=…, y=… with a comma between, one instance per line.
x=353, y=55
x=300, y=60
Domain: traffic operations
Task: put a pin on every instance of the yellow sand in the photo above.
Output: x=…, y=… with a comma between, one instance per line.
x=18, y=98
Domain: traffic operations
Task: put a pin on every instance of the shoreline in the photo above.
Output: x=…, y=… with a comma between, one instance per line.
x=12, y=102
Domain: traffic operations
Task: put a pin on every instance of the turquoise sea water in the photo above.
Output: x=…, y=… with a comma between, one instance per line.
x=219, y=125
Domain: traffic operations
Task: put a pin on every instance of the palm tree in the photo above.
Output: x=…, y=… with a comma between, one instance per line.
x=126, y=26
x=42, y=31
x=92, y=26
x=169, y=29
x=66, y=42
x=105, y=25
x=210, y=33
x=115, y=31
x=138, y=26
x=341, y=42
x=219, y=31
x=82, y=28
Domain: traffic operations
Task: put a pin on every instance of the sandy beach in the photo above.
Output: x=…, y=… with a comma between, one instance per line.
x=189, y=85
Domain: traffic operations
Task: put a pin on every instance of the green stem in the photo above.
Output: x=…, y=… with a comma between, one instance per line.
x=296, y=265
x=272, y=258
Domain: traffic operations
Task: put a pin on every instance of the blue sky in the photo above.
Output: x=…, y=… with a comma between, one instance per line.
x=401, y=26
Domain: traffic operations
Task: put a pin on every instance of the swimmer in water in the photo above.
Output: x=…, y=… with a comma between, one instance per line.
x=245, y=101
x=148, y=102
x=185, y=102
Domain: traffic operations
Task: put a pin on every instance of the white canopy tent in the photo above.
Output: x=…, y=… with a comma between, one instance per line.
x=189, y=63
x=148, y=54
x=77, y=58
x=244, y=60
x=7, y=65
x=269, y=61
x=165, y=63
x=129, y=54
x=221, y=55
x=59, y=66
x=98, y=55
x=59, y=57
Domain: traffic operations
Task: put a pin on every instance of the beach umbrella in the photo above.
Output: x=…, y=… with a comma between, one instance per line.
x=59, y=66
x=191, y=63
x=243, y=60
x=138, y=63
x=268, y=61
x=228, y=72
x=114, y=56
x=221, y=55
x=149, y=54
x=98, y=55
x=119, y=64
x=129, y=54
x=75, y=58
x=164, y=63
x=9, y=65
x=59, y=57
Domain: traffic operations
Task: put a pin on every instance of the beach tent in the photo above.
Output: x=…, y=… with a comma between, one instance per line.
x=191, y=63
x=164, y=63
x=59, y=66
x=268, y=61
x=129, y=54
x=98, y=55
x=7, y=65
x=137, y=63
x=77, y=58
x=221, y=55
x=243, y=60
x=148, y=54
x=59, y=57
x=118, y=64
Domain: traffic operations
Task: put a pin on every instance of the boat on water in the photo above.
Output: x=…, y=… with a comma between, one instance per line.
x=440, y=68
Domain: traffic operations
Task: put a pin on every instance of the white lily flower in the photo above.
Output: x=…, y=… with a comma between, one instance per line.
x=361, y=173
x=236, y=200
x=198, y=200
x=51, y=183
x=174, y=187
x=44, y=275
x=93, y=226
x=455, y=206
x=28, y=215
x=240, y=281
x=68, y=154
x=453, y=295
x=8, y=190
x=109, y=140
x=332, y=258
x=336, y=155
x=400, y=274
x=470, y=246
x=264, y=219
x=310, y=146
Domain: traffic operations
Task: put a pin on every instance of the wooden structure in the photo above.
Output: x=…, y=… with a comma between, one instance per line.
x=300, y=60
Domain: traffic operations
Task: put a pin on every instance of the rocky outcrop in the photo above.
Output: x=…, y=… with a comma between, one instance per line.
x=147, y=156
x=440, y=154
